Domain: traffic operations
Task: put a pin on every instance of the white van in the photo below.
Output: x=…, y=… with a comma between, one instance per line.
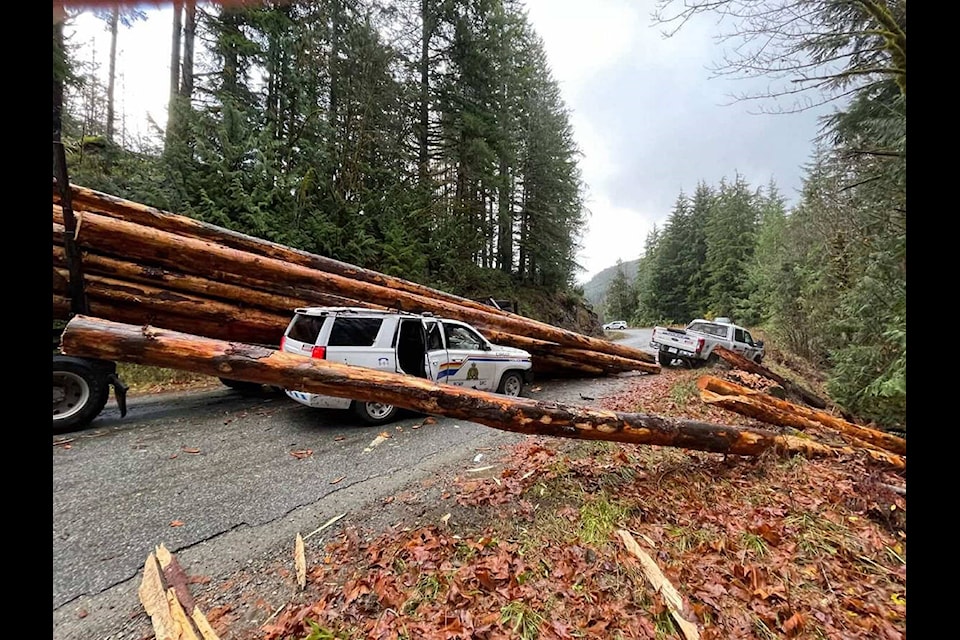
x=420, y=345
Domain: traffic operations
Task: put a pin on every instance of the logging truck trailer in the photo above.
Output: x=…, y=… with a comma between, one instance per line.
x=81, y=386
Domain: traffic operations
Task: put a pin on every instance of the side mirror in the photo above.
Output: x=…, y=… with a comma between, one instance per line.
x=759, y=343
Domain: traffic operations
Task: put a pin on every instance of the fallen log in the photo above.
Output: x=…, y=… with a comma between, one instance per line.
x=165, y=279
x=771, y=410
x=609, y=363
x=739, y=362
x=95, y=201
x=87, y=336
x=170, y=313
x=201, y=257
x=191, y=324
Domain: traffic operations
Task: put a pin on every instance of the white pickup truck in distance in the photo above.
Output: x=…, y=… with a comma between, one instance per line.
x=694, y=344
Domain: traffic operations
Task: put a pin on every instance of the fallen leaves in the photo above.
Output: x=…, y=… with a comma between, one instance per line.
x=190, y=450
x=337, y=480
x=300, y=454
x=760, y=548
x=177, y=523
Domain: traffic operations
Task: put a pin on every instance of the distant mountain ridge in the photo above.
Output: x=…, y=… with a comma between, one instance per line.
x=596, y=287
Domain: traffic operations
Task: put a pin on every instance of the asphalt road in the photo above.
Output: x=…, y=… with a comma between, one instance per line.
x=219, y=478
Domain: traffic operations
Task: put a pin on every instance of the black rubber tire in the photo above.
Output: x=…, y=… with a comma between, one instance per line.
x=758, y=358
x=80, y=393
x=243, y=387
x=511, y=384
x=375, y=413
x=665, y=359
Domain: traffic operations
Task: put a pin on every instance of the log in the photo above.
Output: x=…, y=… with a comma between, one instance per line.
x=84, y=198
x=163, y=311
x=772, y=410
x=198, y=325
x=550, y=358
x=201, y=257
x=140, y=304
x=739, y=362
x=87, y=336
x=165, y=279
x=609, y=363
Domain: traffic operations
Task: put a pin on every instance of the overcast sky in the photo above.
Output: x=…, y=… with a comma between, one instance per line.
x=648, y=115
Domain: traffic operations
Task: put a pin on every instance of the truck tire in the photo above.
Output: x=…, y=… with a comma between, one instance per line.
x=511, y=384
x=665, y=358
x=80, y=391
x=243, y=387
x=375, y=412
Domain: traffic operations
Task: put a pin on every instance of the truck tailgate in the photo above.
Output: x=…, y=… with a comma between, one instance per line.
x=664, y=338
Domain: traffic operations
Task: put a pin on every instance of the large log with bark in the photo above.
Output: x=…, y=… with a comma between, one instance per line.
x=97, y=338
x=767, y=408
x=168, y=311
x=606, y=362
x=202, y=257
x=142, y=304
x=94, y=201
x=739, y=362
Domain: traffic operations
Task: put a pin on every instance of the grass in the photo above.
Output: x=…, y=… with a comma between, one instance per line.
x=523, y=621
x=684, y=392
x=598, y=518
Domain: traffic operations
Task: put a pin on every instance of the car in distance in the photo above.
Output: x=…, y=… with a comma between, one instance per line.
x=420, y=345
x=616, y=324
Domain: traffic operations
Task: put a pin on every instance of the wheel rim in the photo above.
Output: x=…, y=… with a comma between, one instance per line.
x=511, y=386
x=378, y=410
x=70, y=394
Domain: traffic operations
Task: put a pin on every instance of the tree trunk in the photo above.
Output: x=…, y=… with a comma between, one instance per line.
x=200, y=257
x=112, y=70
x=219, y=320
x=773, y=410
x=175, y=41
x=739, y=362
x=92, y=337
x=541, y=347
x=189, y=37
x=165, y=280
x=126, y=210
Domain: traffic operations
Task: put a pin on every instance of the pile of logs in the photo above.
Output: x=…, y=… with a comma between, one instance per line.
x=144, y=266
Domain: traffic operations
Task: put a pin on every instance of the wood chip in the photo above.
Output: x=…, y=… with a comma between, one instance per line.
x=660, y=584
x=300, y=562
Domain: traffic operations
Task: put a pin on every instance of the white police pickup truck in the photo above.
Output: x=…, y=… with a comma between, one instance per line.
x=694, y=344
x=420, y=345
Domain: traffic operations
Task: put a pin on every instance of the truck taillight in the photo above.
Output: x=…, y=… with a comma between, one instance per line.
x=699, y=345
x=283, y=341
x=319, y=352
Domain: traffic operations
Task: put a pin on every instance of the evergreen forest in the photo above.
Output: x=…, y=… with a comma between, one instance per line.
x=427, y=139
